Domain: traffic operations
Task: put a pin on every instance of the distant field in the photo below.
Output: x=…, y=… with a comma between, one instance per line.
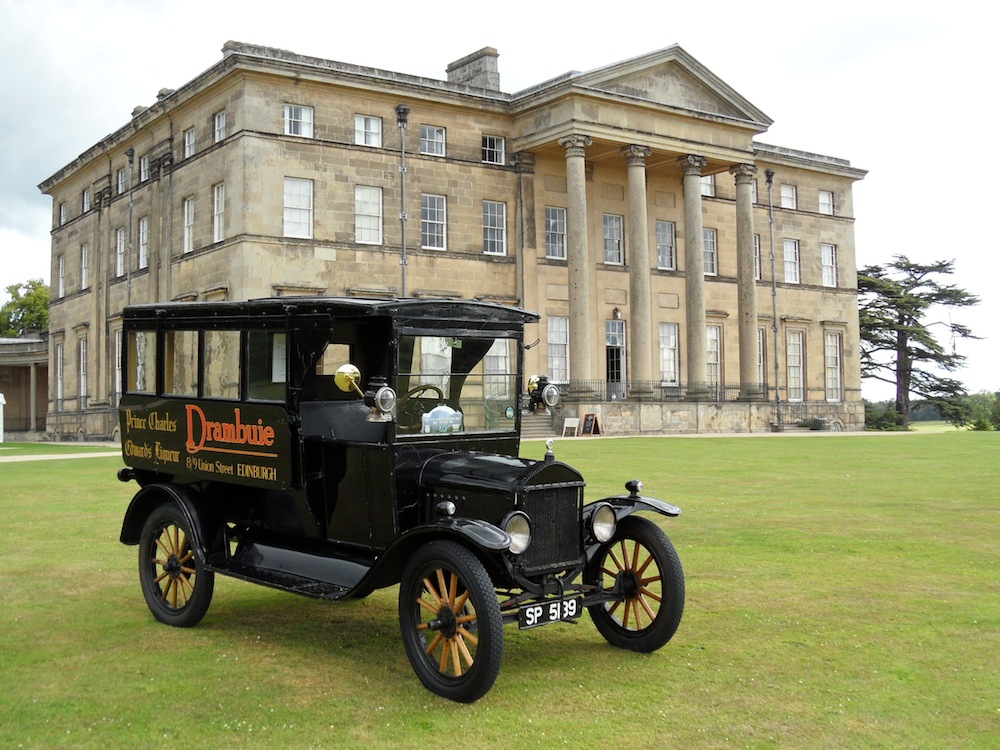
x=843, y=591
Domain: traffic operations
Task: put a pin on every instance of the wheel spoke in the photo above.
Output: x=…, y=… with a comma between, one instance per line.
x=463, y=648
x=645, y=565
x=453, y=592
x=442, y=586
x=443, y=664
x=430, y=590
x=434, y=644
x=649, y=611
x=469, y=636
x=454, y=657
x=652, y=595
x=428, y=606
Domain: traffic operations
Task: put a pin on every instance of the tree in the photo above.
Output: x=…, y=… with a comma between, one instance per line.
x=897, y=345
x=27, y=308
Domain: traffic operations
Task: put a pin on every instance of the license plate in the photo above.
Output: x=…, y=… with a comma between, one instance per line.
x=534, y=615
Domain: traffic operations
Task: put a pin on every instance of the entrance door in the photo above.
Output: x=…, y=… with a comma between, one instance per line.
x=614, y=335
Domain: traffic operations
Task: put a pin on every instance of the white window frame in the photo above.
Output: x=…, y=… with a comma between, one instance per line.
x=433, y=140
x=791, y=255
x=63, y=213
x=219, y=126
x=762, y=357
x=121, y=182
x=795, y=364
x=789, y=196
x=121, y=243
x=187, y=235
x=827, y=203
x=85, y=266
x=297, y=208
x=670, y=354
x=59, y=359
x=614, y=239
x=433, y=222
x=367, y=215
x=143, y=242
x=494, y=228
x=710, y=248
x=219, y=212
x=494, y=149
x=189, y=143
x=708, y=185
x=368, y=131
x=833, y=365
x=143, y=167
x=299, y=120
x=61, y=277
x=119, y=340
x=753, y=191
x=555, y=232
x=666, y=245
x=82, y=369
x=557, y=337
x=757, y=273
x=828, y=260
x=87, y=200
x=713, y=351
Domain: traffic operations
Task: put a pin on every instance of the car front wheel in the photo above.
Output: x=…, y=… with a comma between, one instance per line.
x=642, y=565
x=450, y=621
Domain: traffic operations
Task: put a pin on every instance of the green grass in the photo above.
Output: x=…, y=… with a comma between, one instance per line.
x=49, y=449
x=843, y=591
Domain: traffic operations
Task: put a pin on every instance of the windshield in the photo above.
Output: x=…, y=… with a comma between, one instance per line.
x=456, y=384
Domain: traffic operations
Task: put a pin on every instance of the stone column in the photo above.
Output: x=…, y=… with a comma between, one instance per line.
x=640, y=302
x=750, y=385
x=33, y=396
x=578, y=262
x=694, y=275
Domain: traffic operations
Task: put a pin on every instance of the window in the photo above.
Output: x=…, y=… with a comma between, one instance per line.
x=187, y=238
x=791, y=248
x=828, y=255
x=84, y=266
x=219, y=212
x=219, y=126
x=432, y=140
x=63, y=213
x=141, y=361
x=753, y=191
x=61, y=277
x=708, y=185
x=711, y=251
x=180, y=363
x=120, y=247
x=298, y=120
x=669, y=354
x=796, y=365
x=494, y=228
x=60, y=376
x=83, y=372
x=368, y=215
x=267, y=365
x=143, y=242
x=666, y=255
x=832, y=344
x=762, y=359
x=222, y=364
x=555, y=232
x=118, y=368
x=713, y=343
x=614, y=239
x=496, y=370
x=86, y=200
x=122, y=185
x=826, y=205
x=493, y=149
x=433, y=216
x=558, y=355
x=189, y=143
x=789, y=198
x=756, y=257
x=298, y=208
x=368, y=131
x=143, y=168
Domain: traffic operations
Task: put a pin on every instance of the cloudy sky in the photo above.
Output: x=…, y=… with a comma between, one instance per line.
x=901, y=89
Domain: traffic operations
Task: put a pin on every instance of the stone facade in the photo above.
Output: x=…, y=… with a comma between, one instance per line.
x=252, y=181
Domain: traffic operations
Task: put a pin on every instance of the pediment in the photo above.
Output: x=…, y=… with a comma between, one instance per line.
x=671, y=77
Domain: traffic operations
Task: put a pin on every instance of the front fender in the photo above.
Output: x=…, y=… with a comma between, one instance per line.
x=481, y=536
x=626, y=505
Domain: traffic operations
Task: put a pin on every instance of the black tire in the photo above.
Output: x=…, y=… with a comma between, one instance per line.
x=643, y=564
x=177, y=589
x=450, y=620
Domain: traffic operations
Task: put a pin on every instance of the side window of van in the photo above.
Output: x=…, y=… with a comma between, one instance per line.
x=266, y=365
x=222, y=364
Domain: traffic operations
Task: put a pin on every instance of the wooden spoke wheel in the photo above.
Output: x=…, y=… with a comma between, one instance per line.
x=177, y=589
x=450, y=621
x=642, y=565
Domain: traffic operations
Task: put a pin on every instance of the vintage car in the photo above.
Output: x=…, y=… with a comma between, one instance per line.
x=334, y=446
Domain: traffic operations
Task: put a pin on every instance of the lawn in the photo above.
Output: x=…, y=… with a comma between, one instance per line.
x=843, y=591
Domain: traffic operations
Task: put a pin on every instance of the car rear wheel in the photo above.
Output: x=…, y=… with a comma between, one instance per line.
x=641, y=564
x=450, y=621
x=176, y=587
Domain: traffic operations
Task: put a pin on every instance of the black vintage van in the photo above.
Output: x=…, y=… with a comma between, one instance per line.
x=329, y=447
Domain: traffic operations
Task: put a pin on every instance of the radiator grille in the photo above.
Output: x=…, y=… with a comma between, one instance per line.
x=555, y=528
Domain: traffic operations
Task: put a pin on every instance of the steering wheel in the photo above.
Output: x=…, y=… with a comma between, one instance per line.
x=406, y=420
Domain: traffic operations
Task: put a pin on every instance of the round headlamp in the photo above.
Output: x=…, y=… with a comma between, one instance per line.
x=518, y=526
x=603, y=522
x=550, y=395
x=385, y=399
